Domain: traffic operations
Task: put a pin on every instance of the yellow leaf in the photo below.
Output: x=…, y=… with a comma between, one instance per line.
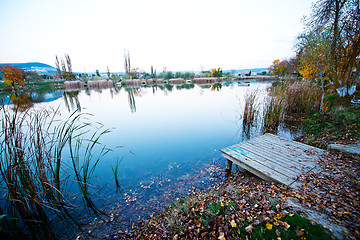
x=279, y=238
x=222, y=204
x=345, y=232
x=233, y=223
x=269, y=226
x=291, y=214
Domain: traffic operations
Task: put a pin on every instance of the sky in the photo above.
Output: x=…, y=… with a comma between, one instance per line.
x=181, y=35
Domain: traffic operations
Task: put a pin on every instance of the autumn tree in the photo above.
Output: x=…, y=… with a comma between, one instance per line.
x=12, y=75
x=342, y=19
x=216, y=72
x=279, y=68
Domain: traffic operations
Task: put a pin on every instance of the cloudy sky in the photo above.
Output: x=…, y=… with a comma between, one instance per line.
x=180, y=34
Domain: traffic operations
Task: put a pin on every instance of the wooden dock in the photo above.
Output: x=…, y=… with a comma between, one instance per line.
x=273, y=158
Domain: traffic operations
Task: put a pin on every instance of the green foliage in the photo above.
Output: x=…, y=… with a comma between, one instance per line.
x=115, y=77
x=339, y=122
x=179, y=75
x=84, y=77
x=168, y=75
x=189, y=75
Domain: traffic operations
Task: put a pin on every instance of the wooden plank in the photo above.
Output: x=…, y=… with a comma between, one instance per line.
x=260, y=156
x=263, y=165
x=284, y=155
x=272, y=137
x=274, y=158
x=260, y=171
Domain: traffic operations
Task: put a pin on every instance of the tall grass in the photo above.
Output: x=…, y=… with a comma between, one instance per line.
x=302, y=97
x=273, y=108
x=38, y=160
x=251, y=107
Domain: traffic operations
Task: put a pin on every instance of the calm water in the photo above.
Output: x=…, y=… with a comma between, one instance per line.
x=170, y=136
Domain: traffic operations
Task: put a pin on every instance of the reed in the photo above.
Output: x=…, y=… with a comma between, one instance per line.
x=115, y=170
x=35, y=168
x=273, y=108
x=251, y=106
x=302, y=97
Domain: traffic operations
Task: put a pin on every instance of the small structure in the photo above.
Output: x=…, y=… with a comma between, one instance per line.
x=273, y=158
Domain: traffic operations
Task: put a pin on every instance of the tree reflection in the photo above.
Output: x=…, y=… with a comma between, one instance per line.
x=21, y=100
x=216, y=86
x=71, y=99
x=131, y=98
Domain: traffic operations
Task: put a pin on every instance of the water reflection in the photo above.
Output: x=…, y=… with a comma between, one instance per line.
x=71, y=101
x=171, y=138
x=21, y=100
x=131, y=98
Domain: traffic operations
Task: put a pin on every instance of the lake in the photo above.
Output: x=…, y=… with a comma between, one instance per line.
x=168, y=139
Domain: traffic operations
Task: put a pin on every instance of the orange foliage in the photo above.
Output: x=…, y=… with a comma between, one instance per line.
x=12, y=75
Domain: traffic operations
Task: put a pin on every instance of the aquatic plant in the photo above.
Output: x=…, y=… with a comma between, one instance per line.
x=38, y=160
x=273, y=109
x=251, y=107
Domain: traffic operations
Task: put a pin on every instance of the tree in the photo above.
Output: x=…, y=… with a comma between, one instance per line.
x=342, y=19
x=178, y=75
x=32, y=76
x=12, y=75
x=108, y=72
x=127, y=65
x=168, y=75
x=216, y=72
x=279, y=68
x=66, y=68
x=153, y=72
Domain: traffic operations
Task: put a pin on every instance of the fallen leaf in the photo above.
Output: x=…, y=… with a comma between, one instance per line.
x=249, y=228
x=233, y=223
x=269, y=226
x=286, y=226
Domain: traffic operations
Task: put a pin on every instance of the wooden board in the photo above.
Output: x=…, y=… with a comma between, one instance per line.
x=274, y=158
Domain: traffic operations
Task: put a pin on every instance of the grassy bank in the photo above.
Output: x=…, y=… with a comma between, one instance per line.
x=338, y=123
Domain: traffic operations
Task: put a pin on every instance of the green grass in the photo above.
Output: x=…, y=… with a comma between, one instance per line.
x=338, y=121
x=296, y=222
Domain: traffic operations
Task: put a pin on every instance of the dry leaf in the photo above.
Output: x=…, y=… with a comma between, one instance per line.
x=249, y=228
